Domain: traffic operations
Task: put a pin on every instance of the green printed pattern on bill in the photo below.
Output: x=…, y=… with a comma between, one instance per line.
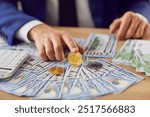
x=100, y=45
x=135, y=53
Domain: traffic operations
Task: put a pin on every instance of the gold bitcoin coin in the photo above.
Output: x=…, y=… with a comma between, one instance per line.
x=56, y=70
x=75, y=59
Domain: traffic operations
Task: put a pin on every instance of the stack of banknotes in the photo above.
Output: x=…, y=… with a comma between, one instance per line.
x=135, y=53
x=87, y=81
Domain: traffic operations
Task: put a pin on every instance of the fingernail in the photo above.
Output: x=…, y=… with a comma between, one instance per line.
x=74, y=49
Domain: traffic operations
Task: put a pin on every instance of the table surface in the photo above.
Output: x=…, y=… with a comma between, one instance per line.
x=139, y=91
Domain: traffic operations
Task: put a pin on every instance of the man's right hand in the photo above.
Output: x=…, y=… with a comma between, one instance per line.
x=50, y=42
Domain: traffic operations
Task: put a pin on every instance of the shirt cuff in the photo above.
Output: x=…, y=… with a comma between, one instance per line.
x=142, y=17
x=22, y=33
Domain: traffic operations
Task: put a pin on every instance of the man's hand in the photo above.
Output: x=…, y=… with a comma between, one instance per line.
x=130, y=25
x=50, y=42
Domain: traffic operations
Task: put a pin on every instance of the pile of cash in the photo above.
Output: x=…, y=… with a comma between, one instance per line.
x=135, y=53
x=72, y=78
x=100, y=45
x=60, y=80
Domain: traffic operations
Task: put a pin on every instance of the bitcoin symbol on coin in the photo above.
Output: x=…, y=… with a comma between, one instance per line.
x=75, y=59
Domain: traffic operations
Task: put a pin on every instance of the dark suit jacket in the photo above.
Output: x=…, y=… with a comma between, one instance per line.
x=103, y=13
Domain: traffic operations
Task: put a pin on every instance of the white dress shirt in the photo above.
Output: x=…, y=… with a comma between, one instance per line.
x=52, y=13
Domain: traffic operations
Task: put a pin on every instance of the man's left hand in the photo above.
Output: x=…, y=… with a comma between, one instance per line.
x=130, y=25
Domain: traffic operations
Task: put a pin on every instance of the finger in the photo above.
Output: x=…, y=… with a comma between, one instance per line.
x=49, y=49
x=133, y=27
x=141, y=29
x=125, y=22
x=41, y=51
x=81, y=50
x=58, y=48
x=146, y=34
x=115, y=26
x=70, y=42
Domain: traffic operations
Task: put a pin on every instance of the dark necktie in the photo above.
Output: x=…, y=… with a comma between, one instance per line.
x=67, y=13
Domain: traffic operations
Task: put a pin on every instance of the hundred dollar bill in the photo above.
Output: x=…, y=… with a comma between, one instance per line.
x=141, y=50
x=100, y=45
x=125, y=55
x=131, y=54
x=144, y=56
x=137, y=63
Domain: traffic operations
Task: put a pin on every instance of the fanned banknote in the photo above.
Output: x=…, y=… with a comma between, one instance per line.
x=100, y=45
x=143, y=53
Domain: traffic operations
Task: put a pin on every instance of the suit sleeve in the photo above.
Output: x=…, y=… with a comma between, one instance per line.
x=11, y=19
x=139, y=6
